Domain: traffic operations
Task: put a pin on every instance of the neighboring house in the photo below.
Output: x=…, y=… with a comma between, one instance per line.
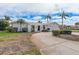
x=74, y=27
x=36, y=26
x=65, y=27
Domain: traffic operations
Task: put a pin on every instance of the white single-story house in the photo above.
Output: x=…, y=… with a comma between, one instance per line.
x=36, y=26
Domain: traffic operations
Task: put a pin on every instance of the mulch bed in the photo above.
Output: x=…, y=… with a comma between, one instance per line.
x=70, y=37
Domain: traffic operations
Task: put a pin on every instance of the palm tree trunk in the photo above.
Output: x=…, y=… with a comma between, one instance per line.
x=47, y=20
x=12, y=25
x=20, y=27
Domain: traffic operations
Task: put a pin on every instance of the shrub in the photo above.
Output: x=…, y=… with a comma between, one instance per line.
x=12, y=29
x=24, y=29
x=66, y=32
x=56, y=32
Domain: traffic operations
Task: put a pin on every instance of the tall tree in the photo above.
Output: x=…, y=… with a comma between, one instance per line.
x=20, y=21
x=7, y=19
x=3, y=24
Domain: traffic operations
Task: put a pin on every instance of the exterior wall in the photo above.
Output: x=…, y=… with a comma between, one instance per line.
x=29, y=26
x=17, y=25
x=55, y=27
x=36, y=27
x=52, y=27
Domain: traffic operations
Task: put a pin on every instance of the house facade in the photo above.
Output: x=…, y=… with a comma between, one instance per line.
x=36, y=26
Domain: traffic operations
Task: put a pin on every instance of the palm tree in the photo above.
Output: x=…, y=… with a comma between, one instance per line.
x=48, y=17
x=63, y=16
x=20, y=21
x=6, y=18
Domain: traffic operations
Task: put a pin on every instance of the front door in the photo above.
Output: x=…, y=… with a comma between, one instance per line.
x=38, y=28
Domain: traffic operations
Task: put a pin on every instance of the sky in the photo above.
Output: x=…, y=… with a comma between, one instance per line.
x=38, y=11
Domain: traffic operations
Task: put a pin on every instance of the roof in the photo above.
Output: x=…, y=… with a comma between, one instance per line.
x=36, y=23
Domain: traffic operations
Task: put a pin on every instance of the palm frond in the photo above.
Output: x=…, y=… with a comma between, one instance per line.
x=20, y=21
x=7, y=17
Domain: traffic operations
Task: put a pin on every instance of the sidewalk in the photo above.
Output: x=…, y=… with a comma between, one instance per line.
x=50, y=45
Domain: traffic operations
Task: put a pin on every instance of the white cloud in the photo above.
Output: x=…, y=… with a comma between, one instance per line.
x=37, y=7
x=37, y=18
x=31, y=8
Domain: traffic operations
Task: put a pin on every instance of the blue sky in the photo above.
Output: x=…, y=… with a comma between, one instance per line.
x=38, y=11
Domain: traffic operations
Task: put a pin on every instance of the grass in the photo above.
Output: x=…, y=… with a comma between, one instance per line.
x=8, y=36
x=75, y=30
x=11, y=34
x=5, y=34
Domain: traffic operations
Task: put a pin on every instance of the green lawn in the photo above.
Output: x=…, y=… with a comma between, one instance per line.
x=5, y=34
x=75, y=30
x=8, y=36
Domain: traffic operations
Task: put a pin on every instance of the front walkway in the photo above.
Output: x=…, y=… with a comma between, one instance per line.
x=50, y=45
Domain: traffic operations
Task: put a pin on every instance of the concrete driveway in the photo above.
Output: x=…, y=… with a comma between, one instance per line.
x=75, y=33
x=50, y=45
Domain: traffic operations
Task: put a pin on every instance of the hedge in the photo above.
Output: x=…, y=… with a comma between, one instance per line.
x=58, y=32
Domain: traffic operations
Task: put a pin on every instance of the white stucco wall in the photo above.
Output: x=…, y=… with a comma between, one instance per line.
x=36, y=27
x=52, y=27
x=29, y=26
x=17, y=25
